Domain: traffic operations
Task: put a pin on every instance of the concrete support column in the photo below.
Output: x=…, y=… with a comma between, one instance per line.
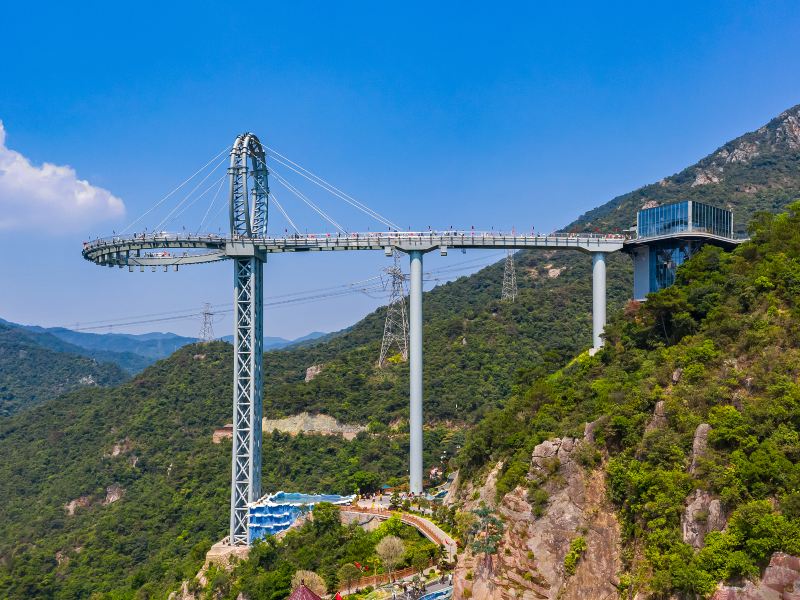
x=598, y=298
x=415, y=367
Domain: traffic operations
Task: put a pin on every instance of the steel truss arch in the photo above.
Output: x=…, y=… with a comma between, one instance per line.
x=249, y=188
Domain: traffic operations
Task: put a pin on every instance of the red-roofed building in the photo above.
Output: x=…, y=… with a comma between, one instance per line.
x=303, y=593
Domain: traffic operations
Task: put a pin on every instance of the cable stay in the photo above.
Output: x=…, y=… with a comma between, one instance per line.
x=169, y=194
x=283, y=212
x=219, y=182
x=303, y=197
x=210, y=206
x=166, y=219
x=329, y=187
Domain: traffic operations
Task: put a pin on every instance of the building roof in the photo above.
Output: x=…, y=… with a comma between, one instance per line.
x=303, y=593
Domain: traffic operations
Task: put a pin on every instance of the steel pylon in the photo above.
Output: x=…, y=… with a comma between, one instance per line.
x=509, y=293
x=207, y=328
x=248, y=220
x=395, y=329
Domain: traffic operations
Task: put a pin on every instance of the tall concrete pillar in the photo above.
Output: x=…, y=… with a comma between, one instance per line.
x=415, y=367
x=598, y=298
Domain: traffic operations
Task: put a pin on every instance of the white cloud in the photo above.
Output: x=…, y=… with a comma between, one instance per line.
x=49, y=197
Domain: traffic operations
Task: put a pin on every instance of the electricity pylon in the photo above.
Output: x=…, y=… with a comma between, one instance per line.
x=207, y=329
x=509, y=279
x=395, y=330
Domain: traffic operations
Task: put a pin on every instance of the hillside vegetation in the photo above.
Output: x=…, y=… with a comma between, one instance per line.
x=721, y=347
x=118, y=490
x=37, y=367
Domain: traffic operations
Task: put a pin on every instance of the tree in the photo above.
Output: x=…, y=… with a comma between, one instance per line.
x=326, y=517
x=366, y=482
x=420, y=560
x=311, y=580
x=348, y=573
x=489, y=532
x=391, y=550
x=394, y=501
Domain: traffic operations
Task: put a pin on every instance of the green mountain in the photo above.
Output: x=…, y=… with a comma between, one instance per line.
x=120, y=491
x=721, y=347
x=36, y=367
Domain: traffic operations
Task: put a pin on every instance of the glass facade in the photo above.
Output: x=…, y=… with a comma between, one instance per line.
x=665, y=258
x=663, y=220
x=684, y=216
x=711, y=219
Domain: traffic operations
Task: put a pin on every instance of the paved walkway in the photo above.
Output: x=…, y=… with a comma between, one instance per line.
x=425, y=526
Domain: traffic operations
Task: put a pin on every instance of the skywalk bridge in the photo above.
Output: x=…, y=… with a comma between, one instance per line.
x=174, y=249
x=248, y=246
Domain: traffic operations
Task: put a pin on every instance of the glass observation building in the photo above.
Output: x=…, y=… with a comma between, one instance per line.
x=682, y=217
x=666, y=236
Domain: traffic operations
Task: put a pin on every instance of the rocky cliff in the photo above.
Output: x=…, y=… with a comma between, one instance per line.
x=532, y=562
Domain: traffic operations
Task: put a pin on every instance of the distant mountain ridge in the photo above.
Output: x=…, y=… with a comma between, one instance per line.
x=277, y=343
x=132, y=352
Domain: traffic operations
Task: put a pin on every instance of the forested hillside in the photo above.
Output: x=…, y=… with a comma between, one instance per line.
x=37, y=367
x=120, y=491
x=721, y=347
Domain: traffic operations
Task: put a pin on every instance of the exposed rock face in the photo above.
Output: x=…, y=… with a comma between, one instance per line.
x=122, y=447
x=699, y=445
x=659, y=419
x=653, y=203
x=307, y=423
x=781, y=581
x=789, y=130
x=312, y=372
x=222, y=433
x=82, y=502
x=113, y=493
x=703, y=514
x=707, y=176
x=743, y=152
x=530, y=561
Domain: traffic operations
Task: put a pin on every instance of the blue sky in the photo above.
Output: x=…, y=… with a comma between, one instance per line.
x=494, y=115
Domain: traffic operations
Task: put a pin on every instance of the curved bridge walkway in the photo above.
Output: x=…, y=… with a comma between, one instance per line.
x=425, y=526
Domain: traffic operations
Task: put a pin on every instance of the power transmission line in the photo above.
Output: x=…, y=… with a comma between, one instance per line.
x=395, y=329
x=509, y=293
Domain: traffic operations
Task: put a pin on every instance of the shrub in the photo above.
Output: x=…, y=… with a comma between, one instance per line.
x=576, y=549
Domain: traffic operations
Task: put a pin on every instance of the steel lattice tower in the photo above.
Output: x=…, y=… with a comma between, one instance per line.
x=509, y=278
x=395, y=330
x=207, y=328
x=248, y=214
